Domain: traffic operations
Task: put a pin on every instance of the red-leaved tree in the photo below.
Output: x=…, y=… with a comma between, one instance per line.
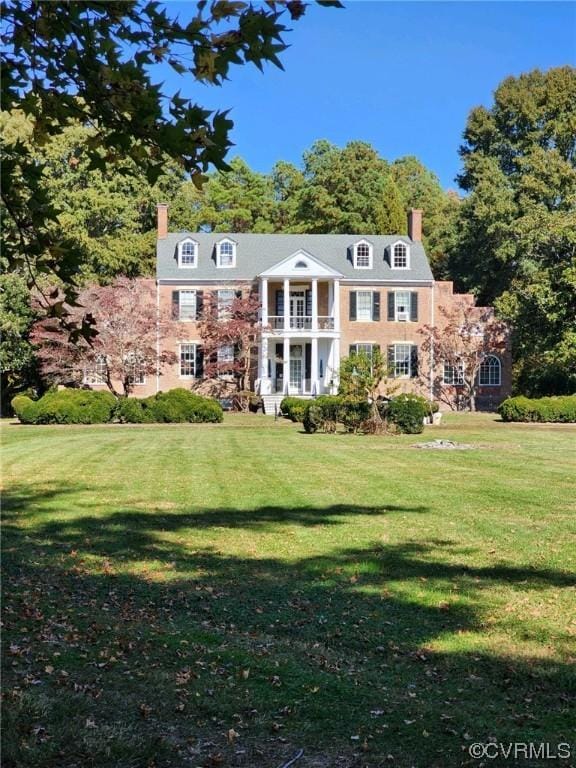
x=230, y=336
x=464, y=338
x=127, y=347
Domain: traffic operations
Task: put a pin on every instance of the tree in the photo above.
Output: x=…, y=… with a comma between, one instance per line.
x=463, y=340
x=344, y=191
x=123, y=352
x=230, y=336
x=516, y=235
x=91, y=61
x=363, y=375
x=17, y=362
x=420, y=188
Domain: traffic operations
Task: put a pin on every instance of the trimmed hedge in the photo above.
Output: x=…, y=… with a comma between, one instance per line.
x=66, y=406
x=408, y=413
x=176, y=405
x=293, y=408
x=543, y=409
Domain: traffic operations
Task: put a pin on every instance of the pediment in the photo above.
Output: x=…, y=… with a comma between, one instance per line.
x=301, y=264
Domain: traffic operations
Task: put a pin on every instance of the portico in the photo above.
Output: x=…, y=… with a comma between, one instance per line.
x=300, y=349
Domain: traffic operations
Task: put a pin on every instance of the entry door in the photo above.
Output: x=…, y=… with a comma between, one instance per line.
x=297, y=309
x=296, y=375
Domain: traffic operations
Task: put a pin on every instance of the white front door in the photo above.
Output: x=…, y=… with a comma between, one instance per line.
x=297, y=309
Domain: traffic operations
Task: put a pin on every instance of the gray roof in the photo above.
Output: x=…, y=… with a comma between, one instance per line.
x=257, y=253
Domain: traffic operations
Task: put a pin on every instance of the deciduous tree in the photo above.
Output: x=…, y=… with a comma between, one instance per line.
x=130, y=332
x=461, y=342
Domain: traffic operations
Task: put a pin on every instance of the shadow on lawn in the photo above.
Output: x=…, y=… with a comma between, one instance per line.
x=329, y=641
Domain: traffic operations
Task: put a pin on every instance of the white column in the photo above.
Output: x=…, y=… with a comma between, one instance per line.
x=264, y=299
x=286, y=305
x=336, y=310
x=336, y=364
x=286, y=363
x=331, y=298
x=314, y=305
x=314, y=366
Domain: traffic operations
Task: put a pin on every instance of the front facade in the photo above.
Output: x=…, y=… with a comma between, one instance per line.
x=322, y=297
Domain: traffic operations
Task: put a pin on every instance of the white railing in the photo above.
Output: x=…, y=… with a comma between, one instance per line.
x=301, y=322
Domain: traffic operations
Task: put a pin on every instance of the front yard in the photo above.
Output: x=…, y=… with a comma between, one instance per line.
x=225, y=595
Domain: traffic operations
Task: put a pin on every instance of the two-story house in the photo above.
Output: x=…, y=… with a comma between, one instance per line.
x=321, y=296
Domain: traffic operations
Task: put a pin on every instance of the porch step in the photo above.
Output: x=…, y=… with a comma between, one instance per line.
x=270, y=402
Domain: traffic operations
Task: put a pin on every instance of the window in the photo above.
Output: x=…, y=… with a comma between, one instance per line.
x=134, y=369
x=402, y=305
x=226, y=353
x=226, y=254
x=361, y=348
x=225, y=299
x=402, y=358
x=363, y=256
x=187, y=360
x=364, y=305
x=400, y=256
x=490, y=372
x=187, y=305
x=187, y=253
x=300, y=265
x=97, y=372
x=453, y=374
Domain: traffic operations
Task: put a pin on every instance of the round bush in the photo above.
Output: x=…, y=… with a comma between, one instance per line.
x=181, y=405
x=293, y=408
x=24, y=408
x=407, y=412
x=129, y=410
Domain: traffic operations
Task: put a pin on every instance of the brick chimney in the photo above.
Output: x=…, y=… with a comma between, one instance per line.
x=415, y=224
x=162, y=220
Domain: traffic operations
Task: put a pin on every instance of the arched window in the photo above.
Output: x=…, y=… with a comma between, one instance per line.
x=300, y=265
x=490, y=372
x=226, y=254
x=363, y=255
x=187, y=253
x=400, y=256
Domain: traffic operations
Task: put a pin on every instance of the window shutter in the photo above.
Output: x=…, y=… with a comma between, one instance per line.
x=352, y=350
x=391, y=371
x=414, y=306
x=279, y=303
x=238, y=294
x=308, y=304
x=280, y=351
x=199, y=304
x=199, y=362
x=376, y=305
x=414, y=361
x=175, y=305
x=391, y=304
x=352, y=305
x=308, y=361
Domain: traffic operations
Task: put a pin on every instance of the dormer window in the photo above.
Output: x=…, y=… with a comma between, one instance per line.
x=363, y=255
x=400, y=256
x=226, y=254
x=188, y=254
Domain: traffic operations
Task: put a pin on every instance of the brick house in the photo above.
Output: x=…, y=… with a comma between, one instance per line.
x=322, y=297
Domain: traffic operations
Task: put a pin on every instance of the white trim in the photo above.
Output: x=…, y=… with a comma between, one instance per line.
x=485, y=360
x=219, y=244
x=393, y=248
x=285, y=268
x=182, y=243
x=195, y=344
x=370, y=254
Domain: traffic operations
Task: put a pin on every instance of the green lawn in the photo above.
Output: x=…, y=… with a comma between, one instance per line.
x=226, y=595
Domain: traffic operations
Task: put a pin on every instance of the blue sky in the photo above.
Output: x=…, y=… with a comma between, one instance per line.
x=402, y=76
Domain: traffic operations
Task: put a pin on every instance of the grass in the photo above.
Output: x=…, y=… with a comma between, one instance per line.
x=226, y=595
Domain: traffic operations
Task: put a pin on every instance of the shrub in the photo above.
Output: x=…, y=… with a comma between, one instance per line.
x=544, y=409
x=180, y=405
x=293, y=408
x=66, y=406
x=130, y=410
x=24, y=408
x=354, y=413
x=408, y=412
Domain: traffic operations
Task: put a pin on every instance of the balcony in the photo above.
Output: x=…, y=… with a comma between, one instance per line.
x=301, y=322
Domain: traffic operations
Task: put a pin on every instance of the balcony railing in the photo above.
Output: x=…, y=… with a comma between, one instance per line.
x=301, y=322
